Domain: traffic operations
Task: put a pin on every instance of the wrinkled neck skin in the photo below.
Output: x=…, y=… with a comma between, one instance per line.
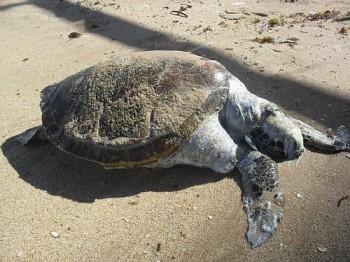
x=243, y=111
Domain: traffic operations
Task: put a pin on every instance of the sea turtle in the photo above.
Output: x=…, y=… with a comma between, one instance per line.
x=162, y=108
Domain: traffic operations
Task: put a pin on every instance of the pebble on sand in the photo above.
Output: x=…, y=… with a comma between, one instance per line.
x=55, y=234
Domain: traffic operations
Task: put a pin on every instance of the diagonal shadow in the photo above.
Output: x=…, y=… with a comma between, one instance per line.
x=9, y=6
x=49, y=169
x=283, y=91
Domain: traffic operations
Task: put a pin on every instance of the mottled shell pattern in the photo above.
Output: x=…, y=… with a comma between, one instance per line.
x=133, y=110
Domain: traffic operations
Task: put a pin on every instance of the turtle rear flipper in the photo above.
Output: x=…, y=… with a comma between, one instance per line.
x=35, y=134
x=262, y=202
x=339, y=141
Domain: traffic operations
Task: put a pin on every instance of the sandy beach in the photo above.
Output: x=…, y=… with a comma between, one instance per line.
x=55, y=207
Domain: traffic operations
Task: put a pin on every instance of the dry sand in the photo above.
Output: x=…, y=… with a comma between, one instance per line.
x=184, y=213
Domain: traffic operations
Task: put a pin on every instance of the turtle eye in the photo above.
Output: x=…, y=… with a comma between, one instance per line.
x=280, y=145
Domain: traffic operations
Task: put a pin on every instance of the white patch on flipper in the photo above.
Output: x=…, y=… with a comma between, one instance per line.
x=267, y=228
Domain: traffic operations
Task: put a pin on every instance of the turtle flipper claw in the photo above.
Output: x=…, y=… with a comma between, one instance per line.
x=262, y=203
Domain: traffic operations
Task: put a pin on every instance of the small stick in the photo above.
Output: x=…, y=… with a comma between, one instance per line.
x=199, y=47
x=342, y=199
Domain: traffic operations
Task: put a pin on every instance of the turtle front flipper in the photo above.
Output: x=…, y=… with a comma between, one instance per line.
x=262, y=202
x=339, y=141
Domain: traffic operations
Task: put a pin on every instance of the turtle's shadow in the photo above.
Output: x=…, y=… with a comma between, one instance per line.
x=47, y=168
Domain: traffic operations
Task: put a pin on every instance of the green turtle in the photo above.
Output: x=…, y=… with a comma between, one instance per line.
x=157, y=109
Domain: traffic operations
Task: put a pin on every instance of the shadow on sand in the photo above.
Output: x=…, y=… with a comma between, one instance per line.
x=60, y=174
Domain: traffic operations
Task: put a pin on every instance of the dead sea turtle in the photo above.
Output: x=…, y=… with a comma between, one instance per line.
x=163, y=108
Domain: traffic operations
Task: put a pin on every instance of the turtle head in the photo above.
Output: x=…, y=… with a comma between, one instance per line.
x=277, y=135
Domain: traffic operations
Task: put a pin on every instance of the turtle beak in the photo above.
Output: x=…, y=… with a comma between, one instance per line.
x=297, y=153
x=293, y=149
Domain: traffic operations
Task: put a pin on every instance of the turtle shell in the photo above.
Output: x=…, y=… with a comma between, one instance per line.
x=133, y=110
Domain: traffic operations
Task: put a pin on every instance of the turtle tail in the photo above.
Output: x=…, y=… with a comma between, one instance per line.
x=38, y=134
x=32, y=135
